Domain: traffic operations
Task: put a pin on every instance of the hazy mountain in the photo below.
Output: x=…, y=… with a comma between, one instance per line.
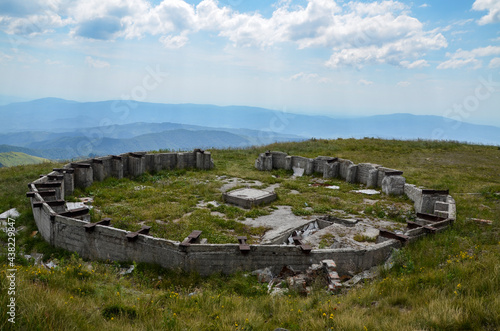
x=74, y=147
x=57, y=115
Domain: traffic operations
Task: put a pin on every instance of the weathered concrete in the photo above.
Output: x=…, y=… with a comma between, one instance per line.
x=363, y=173
x=248, y=197
x=97, y=170
x=331, y=170
x=372, y=178
x=351, y=174
x=84, y=175
x=393, y=185
x=108, y=243
x=136, y=164
x=278, y=160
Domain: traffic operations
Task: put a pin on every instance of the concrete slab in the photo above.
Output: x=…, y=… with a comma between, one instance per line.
x=279, y=222
x=248, y=197
x=12, y=213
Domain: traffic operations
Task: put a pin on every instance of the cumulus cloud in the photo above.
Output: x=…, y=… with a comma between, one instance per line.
x=462, y=58
x=174, y=42
x=358, y=33
x=493, y=8
x=95, y=63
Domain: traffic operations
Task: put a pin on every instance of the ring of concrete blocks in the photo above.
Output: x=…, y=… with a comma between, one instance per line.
x=72, y=230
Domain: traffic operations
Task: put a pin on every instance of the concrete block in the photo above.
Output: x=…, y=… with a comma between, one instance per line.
x=393, y=185
x=351, y=175
x=372, y=179
x=383, y=172
x=248, y=197
x=288, y=163
x=441, y=206
x=136, y=164
x=320, y=163
x=331, y=170
x=279, y=160
x=107, y=165
x=343, y=166
x=117, y=167
x=125, y=164
x=97, y=170
x=429, y=201
x=83, y=176
x=204, y=160
x=168, y=161
x=152, y=163
x=363, y=174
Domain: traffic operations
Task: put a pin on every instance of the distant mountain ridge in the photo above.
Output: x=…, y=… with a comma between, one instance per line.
x=56, y=126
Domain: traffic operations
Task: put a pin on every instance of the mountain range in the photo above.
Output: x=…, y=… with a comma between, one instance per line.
x=63, y=129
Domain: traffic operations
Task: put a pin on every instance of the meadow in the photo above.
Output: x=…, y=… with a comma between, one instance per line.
x=450, y=281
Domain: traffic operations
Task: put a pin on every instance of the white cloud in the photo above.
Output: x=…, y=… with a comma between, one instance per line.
x=414, y=65
x=493, y=8
x=424, y=5
x=174, y=42
x=358, y=33
x=494, y=63
x=313, y=77
x=463, y=58
x=95, y=63
x=403, y=84
x=364, y=82
x=459, y=63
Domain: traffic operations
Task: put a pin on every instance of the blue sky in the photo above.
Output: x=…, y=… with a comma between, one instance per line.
x=337, y=58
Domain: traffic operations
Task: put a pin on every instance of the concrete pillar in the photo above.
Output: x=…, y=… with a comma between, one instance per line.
x=168, y=161
x=152, y=163
x=331, y=170
x=343, y=166
x=98, y=170
x=394, y=185
x=279, y=160
x=125, y=164
x=320, y=163
x=351, y=175
x=268, y=162
x=117, y=166
x=136, y=164
x=84, y=175
x=371, y=182
x=204, y=160
x=107, y=165
x=288, y=163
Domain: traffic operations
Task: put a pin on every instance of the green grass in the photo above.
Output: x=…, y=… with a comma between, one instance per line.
x=450, y=281
x=167, y=200
x=11, y=159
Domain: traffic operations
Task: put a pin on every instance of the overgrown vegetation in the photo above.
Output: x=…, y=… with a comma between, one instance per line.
x=449, y=281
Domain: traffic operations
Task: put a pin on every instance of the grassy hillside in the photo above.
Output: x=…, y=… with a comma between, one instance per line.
x=11, y=159
x=450, y=281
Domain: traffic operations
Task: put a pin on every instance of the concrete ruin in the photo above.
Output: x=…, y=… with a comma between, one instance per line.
x=72, y=230
x=389, y=180
x=248, y=197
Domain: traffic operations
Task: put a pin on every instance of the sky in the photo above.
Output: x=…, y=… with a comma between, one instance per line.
x=330, y=57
